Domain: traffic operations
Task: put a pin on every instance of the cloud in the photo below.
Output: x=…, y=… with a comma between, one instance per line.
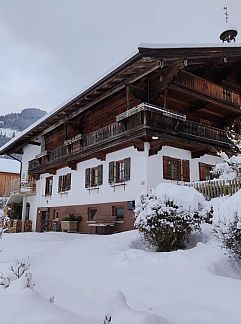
x=52, y=49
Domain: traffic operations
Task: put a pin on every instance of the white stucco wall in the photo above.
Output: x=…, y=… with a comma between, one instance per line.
x=79, y=195
x=155, y=164
x=29, y=153
x=146, y=172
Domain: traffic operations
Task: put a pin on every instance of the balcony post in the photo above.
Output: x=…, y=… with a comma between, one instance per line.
x=24, y=211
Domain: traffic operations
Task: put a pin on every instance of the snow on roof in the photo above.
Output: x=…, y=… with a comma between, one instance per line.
x=10, y=166
x=59, y=107
x=93, y=84
x=188, y=45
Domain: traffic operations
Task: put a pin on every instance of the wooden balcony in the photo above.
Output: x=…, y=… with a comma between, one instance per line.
x=139, y=122
x=190, y=81
x=18, y=186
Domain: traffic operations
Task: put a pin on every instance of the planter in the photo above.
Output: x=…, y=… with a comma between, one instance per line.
x=69, y=226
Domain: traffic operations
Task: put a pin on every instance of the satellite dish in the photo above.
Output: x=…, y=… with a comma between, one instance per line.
x=230, y=33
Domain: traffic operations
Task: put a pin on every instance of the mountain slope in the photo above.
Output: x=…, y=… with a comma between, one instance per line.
x=12, y=123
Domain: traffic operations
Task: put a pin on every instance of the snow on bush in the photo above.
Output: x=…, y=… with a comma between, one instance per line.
x=18, y=270
x=119, y=312
x=4, y=221
x=229, y=168
x=227, y=224
x=166, y=216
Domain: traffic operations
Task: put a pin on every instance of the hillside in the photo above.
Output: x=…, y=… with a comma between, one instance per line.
x=81, y=278
x=11, y=124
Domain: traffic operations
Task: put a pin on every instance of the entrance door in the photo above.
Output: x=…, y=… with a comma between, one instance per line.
x=45, y=221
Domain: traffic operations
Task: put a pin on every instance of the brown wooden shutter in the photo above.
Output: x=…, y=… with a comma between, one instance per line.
x=202, y=171
x=68, y=181
x=127, y=169
x=60, y=183
x=100, y=175
x=166, y=167
x=111, y=172
x=87, y=178
x=185, y=171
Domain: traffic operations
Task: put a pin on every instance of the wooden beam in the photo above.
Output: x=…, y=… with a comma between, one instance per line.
x=117, y=88
x=34, y=143
x=155, y=147
x=205, y=97
x=100, y=156
x=72, y=165
x=138, y=145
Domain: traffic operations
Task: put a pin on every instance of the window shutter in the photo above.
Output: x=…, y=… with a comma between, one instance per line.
x=60, y=183
x=87, y=178
x=185, y=171
x=68, y=181
x=202, y=171
x=100, y=175
x=127, y=170
x=179, y=175
x=166, y=167
x=111, y=172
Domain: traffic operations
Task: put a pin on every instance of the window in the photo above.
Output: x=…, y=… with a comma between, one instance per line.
x=94, y=176
x=118, y=211
x=64, y=182
x=205, y=171
x=119, y=171
x=92, y=213
x=49, y=186
x=176, y=169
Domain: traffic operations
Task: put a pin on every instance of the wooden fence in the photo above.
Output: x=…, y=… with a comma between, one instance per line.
x=217, y=188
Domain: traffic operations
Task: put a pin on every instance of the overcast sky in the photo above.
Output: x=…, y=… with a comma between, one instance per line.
x=52, y=49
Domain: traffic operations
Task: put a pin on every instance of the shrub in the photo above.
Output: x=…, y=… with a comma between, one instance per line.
x=227, y=225
x=164, y=220
x=72, y=218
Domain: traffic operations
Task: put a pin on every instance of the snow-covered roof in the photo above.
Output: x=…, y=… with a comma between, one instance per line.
x=189, y=45
x=9, y=166
x=89, y=95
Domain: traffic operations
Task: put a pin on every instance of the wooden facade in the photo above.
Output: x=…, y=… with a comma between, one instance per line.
x=177, y=97
x=5, y=179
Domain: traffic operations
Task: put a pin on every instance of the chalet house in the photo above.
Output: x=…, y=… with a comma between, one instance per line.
x=160, y=116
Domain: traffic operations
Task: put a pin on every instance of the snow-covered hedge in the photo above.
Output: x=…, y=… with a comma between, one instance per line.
x=166, y=216
x=227, y=224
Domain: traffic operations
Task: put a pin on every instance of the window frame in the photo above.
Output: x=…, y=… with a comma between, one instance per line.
x=64, y=183
x=119, y=171
x=114, y=211
x=180, y=171
x=94, y=176
x=93, y=218
x=49, y=186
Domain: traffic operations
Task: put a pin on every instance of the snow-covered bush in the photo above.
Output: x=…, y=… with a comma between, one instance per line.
x=4, y=281
x=4, y=221
x=107, y=319
x=229, y=169
x=120, y=312
x=19, y=268
x=227, y=225
x=166, y=216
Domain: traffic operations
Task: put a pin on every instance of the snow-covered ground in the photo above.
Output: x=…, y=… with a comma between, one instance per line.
x=91, y=276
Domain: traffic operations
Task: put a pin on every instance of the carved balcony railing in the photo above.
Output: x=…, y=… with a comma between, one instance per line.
x=208, y=88
x=142, y=118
